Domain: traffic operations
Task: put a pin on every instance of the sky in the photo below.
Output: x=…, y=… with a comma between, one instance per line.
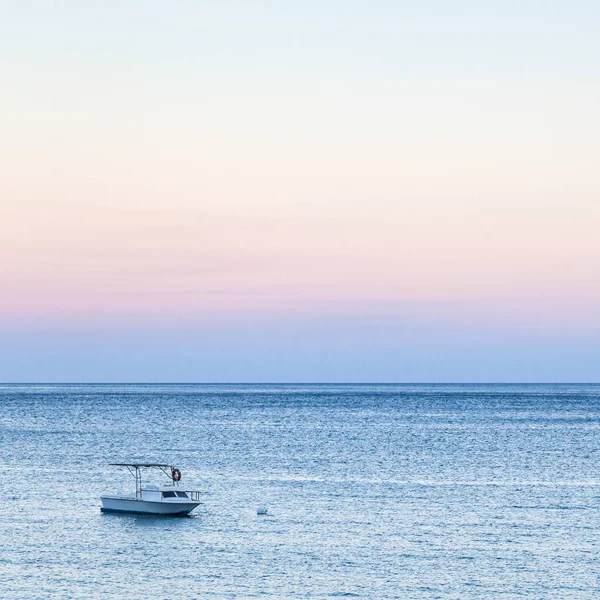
x=299, y=191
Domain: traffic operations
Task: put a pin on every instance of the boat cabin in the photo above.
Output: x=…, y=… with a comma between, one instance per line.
x=165, y=492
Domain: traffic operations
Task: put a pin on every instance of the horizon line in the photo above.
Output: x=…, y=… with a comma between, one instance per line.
x=299, y=382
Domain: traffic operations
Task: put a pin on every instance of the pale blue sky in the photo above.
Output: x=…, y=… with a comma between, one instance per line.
x=299, y=191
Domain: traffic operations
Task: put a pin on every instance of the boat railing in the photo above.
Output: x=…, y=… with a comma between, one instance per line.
x=194, y=495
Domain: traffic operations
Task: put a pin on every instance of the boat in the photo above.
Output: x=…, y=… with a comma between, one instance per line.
x=167, y=499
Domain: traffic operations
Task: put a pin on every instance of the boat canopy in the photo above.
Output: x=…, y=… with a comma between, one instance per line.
x=135, y=470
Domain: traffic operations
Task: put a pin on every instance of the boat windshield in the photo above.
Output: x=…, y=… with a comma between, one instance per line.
x=169, y=495
x=182, y=494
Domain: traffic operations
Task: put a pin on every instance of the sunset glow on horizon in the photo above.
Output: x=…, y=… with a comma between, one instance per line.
x=270, y=194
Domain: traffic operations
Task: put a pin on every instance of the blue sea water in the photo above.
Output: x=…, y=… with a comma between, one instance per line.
x=374, y=491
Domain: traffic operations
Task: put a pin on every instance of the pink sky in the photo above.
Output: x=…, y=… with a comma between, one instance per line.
x=434, y=171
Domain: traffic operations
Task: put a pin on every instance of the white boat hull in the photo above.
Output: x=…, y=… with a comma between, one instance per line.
x=146, y=507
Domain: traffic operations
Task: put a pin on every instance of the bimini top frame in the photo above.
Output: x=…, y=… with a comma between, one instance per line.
x=135, y=469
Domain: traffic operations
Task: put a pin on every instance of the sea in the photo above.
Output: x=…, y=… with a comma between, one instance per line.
x=373, y=491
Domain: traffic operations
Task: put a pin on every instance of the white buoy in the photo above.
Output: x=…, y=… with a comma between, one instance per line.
x=261, y=510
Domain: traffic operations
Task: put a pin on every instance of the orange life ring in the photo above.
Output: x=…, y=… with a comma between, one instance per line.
x=176, y=475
